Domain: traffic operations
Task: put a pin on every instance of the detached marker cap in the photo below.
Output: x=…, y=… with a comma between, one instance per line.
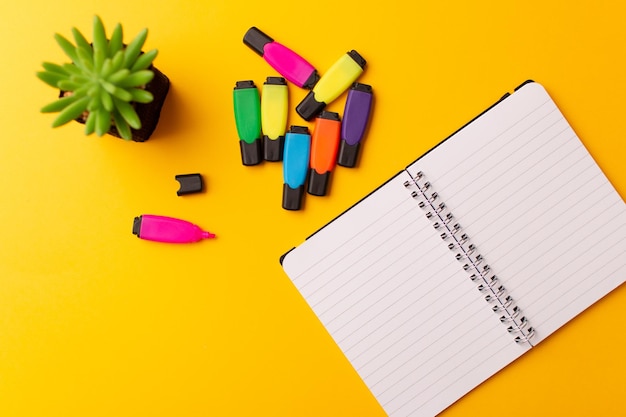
x=168, y=229
x=189, y=184
x=356, y=115
x=247, y=105
x=332, y=84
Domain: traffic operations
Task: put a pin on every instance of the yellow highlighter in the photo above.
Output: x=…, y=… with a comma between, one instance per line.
x=274, y=109
x=335, y=81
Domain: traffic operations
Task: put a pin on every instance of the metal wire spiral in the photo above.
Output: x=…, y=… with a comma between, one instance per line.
x=473, y=262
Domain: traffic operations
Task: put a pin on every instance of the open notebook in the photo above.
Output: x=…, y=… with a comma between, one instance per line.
x=469, y=257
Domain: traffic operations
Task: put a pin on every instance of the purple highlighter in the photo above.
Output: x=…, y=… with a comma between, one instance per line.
x=288, y=63
x=355, y=117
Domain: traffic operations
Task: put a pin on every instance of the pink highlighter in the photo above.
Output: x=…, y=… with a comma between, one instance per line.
x=168, y=229
x=288, y=63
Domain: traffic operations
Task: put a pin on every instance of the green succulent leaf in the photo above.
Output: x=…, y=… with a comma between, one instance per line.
x=71, y=112
x=128, y=113
x=107, y=101
x=51, y=78
x=93, y=89
x=100, y=43
x=137, y=79
x=85, y=59
x=106, y=69
x=82, y=90
x=57, y=69
x=94, y=103
x=117, y=92
x=72, y=69
x=122, y=94
x=103, y=122
x=60, y=104
x=144, y=60
x=122, y=126
x=80, y=79
x=117, y=61
x=118, y=76
x=90, y=124
x=116, y=41
x=134, y=48
x=67, y=46
x=68, y=85
x=98, y=59
x=81, y=42
x=140, y=95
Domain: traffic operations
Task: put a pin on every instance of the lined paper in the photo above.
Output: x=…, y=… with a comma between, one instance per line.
x=537, y=206
x=400, y=306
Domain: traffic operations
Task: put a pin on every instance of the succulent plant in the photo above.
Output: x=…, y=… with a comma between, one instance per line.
x=103, y=81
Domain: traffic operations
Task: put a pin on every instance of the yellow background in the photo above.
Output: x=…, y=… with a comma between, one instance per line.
x=95, y=322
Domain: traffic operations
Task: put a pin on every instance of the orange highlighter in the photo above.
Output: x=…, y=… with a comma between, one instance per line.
x=324, y=147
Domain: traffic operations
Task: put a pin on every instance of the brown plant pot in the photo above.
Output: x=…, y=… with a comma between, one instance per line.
x=148, y=113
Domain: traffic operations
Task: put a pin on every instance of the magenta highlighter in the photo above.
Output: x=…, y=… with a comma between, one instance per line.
x=168, y=229
x=288, y=63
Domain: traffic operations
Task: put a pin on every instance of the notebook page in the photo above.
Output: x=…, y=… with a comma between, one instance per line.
x=537, y=206
x=399, y=305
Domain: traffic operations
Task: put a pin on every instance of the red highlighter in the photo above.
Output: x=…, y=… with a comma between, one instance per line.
x=168, y=229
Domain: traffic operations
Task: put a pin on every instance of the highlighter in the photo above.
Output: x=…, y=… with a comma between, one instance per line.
x=288, y=63
x=274, y=108
x=334, y=82
x=295, y=166
x=324, y=146
x=355, y=117
x=247, y=103
x=168, y=229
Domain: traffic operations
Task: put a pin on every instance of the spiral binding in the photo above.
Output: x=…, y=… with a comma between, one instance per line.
x=480, y=272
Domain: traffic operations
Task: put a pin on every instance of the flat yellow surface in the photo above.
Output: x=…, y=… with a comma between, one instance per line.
x=95, y=322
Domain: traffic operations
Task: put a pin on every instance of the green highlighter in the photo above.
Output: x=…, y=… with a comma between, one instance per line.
x=247, y=103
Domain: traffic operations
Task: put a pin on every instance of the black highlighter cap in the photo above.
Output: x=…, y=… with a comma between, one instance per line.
x=309, y=107
x=365, y=88
x=189, y=184
x=329, y=115
x=137, y=226
x=292, y=197
x=251, y=153
x=275, y=81
x=348, y=154
x=240, y=85
x=299, y=129
x=273, y=148
x=318, y=183
x=256, y=40
x=357, y=58
x=312, y=80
